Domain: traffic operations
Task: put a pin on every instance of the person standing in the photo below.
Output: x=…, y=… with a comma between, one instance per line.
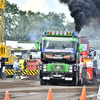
x=1, y=66
x=91, y=49
x=25, y=63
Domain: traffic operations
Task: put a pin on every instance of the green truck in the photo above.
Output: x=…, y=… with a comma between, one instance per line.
x=60, y=56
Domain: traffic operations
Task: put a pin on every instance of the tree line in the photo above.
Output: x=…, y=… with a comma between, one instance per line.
x=28, y=26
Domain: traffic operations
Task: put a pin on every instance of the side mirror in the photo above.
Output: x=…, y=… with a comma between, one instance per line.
x=37, y=45
x=94, y=53
x=40, y=46
x=80, y=48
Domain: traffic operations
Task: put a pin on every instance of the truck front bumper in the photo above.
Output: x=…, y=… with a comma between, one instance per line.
x=57, y=76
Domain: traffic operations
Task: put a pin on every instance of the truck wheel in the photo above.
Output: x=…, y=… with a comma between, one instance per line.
x=42, y=82
x=80, y=82
x=75, y=82
x=85, y=81
x=94, y=80
x=84, y=76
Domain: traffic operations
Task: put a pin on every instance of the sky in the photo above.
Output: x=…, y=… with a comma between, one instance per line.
x=44, y=6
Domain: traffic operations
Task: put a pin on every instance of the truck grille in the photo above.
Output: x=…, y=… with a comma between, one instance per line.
x=58, y=67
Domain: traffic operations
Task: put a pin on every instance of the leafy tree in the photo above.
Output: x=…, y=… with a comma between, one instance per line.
x=28, y=26
x=70, y=26
x=10, y=19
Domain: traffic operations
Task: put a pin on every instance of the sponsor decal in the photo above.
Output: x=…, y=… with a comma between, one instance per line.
x=67, y=57
x=58, y=56
x=58, y=50
x=58, y=39
x=54, y=57
x=57, y=68
x=48, y=56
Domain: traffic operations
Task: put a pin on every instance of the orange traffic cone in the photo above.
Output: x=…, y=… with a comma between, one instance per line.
x=83, y=95
x=49, y=95
x=7, y=96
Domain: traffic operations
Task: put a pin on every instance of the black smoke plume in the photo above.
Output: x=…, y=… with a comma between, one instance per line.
x=83, y=11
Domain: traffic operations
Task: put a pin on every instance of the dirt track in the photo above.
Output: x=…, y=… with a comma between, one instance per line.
x=32, y=90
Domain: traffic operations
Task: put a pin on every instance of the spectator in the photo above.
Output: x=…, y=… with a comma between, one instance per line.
x=25, y=63
x=1, y=66
x=91, y=49
x=16, y=66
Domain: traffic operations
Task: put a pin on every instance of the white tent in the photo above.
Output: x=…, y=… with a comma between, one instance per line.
x=26, y=46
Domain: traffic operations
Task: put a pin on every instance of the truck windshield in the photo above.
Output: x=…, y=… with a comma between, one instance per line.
x=49, y=44
x=35, y=55
x=84, y=46
x=84, y=39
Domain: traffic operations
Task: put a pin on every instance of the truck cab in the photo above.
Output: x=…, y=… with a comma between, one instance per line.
x=60, y=56
x=88, y=70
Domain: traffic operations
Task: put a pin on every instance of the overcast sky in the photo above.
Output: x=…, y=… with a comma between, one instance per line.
x=44, y=6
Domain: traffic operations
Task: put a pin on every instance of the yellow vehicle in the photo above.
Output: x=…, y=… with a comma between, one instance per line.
x=5, y=51
x=21, y=55
x=21, y=61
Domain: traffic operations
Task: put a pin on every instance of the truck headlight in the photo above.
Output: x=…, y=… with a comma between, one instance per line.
x=40, y=67
x=44, y=70
x=71, y=71
x=74, y=68
x=45, y=66
x=70, y=67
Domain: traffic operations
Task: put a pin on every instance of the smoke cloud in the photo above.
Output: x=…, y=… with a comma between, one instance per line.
x=32, y=36
x=84, y=12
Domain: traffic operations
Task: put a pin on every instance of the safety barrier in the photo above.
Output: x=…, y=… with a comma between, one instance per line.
x=24, y=72
x=9, y=71
x=33, y=72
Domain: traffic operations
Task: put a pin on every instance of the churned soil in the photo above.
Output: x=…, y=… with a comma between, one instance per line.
x=30, y=89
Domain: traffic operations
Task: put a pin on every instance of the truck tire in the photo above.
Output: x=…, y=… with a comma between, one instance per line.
x=94, y=76
x=94, y=80
x=75, y=81
x=85, y=81
x=42, y=82
x=84, y=76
